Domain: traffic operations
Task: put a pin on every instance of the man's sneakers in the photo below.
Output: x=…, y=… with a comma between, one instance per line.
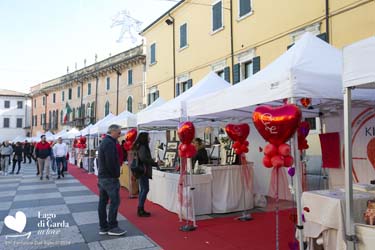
x=113, y=232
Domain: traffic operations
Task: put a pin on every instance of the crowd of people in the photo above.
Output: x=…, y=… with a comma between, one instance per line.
x=45, y=155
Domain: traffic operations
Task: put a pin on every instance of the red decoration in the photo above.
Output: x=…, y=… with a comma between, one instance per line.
x=270, y=150
x=131, y=135
x=103, y=136
x=187, y=150
x=239, y=133
x=267, y=162
x=284, y=149
x=371, y=152
x=277, y=124
x=186, y=132
x=305, y=102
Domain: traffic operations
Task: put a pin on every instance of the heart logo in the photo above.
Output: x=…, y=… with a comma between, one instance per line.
x=371, y=151
x=238, y=132
x=277, y=124
x=16, y=223
x=186, y=132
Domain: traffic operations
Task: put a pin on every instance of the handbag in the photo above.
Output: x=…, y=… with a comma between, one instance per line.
x=137, y=167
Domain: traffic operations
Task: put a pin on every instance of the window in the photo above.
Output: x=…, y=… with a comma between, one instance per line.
x=217, y=16
x=130, y=104
x=153, y=53
x=6, y=104
x=19, y=122
x=89, y=89
x=79, y=91
x=312, y=123
x=220, y=73
x=108, y=85
x=74, y=114
x=152, y=95
x=20, y=104
x=61, y=117
x=244, y=7
x=183, y=86
x=248, y=69
x=54, y=98
x=62, y=96
x=183, y=35
x=70, y=94
x=106, y=108
x=34, y=103
x=44, y=100
x=6, y=123
x=41, y=119
x=130, y=77
x=36, y=120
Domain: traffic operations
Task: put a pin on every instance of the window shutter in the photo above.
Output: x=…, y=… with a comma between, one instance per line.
x=177, y=89
x=190, y=83
x=236, y=73
x=227, y=74
x=289, y=46
x=183, y=40
x=148, y=99
x=157, y=94
x=256, y=64
x=323, y=36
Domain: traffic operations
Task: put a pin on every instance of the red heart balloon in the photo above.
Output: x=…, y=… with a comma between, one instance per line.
x=186, y=132
x=238, y=132
x=277, y=124
x=305, y=101
x=131, y=135
x=304, y=129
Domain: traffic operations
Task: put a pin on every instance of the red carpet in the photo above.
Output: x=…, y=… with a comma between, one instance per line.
x=219, y=233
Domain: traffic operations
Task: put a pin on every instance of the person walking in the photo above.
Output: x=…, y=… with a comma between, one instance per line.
x=60, y=150
x=26, y=152
x=17, y=157
x=42, y=153
x=142, y=151
x=108, y=183
x=6, y=151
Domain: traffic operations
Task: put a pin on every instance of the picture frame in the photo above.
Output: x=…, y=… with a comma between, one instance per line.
x=172, y=146
x=170, y=159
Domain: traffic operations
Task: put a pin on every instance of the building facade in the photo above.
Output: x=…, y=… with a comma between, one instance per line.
x=109, y=86
x=14, y=115
x=237, y=38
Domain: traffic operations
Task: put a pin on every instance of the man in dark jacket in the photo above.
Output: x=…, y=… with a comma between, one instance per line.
x=26, y=152
x=108, y=182
x=42, y=153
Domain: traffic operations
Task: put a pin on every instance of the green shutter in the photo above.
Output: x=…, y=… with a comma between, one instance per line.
x=183, y=35
x=256, y=64
x=236, y=73
x=227, y=74
x=177, y=89
x=190, y=83
x=148, y=99
x=157, y=94
x=323, y=36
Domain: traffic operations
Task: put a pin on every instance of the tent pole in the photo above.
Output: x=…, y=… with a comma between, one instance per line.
x=349, y=221
x=297, y=185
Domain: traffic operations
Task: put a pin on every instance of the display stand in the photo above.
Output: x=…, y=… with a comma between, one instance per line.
x=246, y=216
x=190, y=195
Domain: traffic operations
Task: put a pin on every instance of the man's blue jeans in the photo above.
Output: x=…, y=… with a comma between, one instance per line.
x=109, y=189
x=60, y=162
x=144, y=187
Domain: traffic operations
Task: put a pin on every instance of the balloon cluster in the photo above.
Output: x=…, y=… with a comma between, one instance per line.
x=239, y=133
x=186, y=133
x=277, y=125
x=277, y=156
x=130, y=137
x=80, y=143
x=303, y=131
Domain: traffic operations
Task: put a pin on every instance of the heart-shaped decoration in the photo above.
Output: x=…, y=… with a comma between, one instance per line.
x=303, y=129
x=305, y=102
x=131, y=135
x=186, y=132
x=238, y=132
x=16, y=223
x=277, y=124
x=371, y=151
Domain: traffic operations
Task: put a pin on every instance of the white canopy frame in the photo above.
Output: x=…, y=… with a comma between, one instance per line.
x=358, y=72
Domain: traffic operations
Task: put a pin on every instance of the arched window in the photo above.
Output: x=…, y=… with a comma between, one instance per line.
x=50, y=118
x=130, y=104
x=106, y=108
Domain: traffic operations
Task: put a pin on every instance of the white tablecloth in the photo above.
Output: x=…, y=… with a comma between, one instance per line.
x=228, y=192
x=163, y=191
x=327, y=213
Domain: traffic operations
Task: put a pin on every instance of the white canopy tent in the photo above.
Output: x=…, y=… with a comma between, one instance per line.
x=169, y=113
x=86, y=130
x=158, y=102
x=95, y=128
x=61, y=134
x=359, y=72
x=71, y=134
x=124, y=119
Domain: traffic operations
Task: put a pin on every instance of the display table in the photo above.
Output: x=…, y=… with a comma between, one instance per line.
x=88, y=162
x=163, y=191
x=326, y=215
x=124, y=179
x=227, y=189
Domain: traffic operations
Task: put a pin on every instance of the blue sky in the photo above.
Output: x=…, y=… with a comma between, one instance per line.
x=40, y=38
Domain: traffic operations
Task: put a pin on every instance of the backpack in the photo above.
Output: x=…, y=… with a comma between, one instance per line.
x=137, y=167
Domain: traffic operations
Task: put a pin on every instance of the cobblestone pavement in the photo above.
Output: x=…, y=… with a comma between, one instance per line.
x=60, y=214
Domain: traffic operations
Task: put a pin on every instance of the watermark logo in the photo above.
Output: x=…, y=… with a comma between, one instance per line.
x=17, y=223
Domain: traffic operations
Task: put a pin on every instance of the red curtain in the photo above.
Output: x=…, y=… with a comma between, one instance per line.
x=330, y=145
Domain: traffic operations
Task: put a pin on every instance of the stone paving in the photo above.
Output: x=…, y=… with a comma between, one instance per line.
x=72, y=209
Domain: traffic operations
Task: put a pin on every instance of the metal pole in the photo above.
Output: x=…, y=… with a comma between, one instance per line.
x=349, y=221
x=297, y=184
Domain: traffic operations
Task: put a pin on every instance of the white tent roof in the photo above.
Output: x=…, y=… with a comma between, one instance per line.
x=85, y=131
x=158, y=102
x=95, y=128
x=124, y=119
x=61, y=134
x=170, y=112
x=311, y=68
x=359, y=66
x=71, y=134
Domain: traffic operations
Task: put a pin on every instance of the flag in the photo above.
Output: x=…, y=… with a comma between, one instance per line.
x=67, y=111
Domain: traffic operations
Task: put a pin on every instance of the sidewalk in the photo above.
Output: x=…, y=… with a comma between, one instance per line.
x=60, y=214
